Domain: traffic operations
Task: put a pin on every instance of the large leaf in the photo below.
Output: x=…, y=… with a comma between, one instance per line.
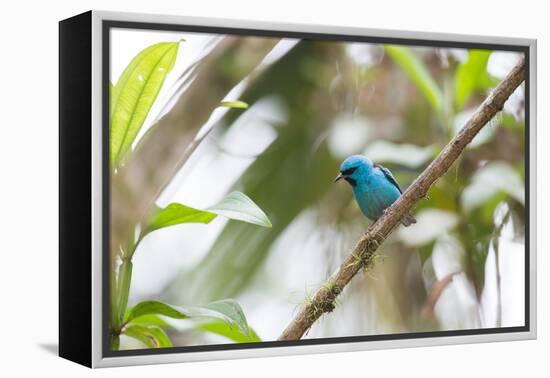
x=238, y=206
x=471, y=76
x=227, y=310
x=150, y=335
x=152, y=319
x=232, y=333
x=418, y=73
x=408, y=155
x=176, y=213
x=155, y=308
x=135, y=92
x=235, y=205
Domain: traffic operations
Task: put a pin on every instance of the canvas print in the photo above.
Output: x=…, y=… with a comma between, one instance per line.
x=250, y=178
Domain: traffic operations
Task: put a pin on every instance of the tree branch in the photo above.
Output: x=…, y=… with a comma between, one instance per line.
x=363, y=253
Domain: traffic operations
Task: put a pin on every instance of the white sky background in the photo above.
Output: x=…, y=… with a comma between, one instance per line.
x=210, y=173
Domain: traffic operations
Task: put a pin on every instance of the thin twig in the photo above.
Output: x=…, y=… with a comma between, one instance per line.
x=362, y=255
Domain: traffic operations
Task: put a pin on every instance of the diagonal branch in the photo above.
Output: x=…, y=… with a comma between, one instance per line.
x=363, y=253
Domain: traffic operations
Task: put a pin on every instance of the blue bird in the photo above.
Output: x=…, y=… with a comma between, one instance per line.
x=373, y=185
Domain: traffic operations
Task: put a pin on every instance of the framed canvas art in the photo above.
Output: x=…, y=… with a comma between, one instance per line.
x=235, y=189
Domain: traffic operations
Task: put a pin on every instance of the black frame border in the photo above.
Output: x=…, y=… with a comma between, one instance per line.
x=107, y=25
x=75, y=189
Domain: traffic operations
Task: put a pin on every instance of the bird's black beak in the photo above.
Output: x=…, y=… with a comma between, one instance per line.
x=340, y=176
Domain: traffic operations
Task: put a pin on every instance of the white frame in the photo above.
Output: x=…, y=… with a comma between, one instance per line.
x=97, y=358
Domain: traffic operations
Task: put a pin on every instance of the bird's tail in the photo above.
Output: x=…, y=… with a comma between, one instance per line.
x=408, y=220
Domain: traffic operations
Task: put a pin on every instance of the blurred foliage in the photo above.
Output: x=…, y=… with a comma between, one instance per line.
x=298, y=172
x=471, y=76
x=417, y=71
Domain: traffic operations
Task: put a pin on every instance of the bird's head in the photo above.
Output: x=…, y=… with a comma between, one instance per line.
x=354, y=167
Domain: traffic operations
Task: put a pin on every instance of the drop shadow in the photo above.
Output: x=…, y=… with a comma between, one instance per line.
x=51, y=348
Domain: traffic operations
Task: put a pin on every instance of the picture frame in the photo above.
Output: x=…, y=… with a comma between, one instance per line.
x=85, y=189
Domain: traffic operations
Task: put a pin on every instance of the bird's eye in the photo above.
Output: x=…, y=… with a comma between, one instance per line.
x=349, y=171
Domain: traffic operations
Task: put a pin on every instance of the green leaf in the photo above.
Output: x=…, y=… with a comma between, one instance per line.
x=176, y=213
x=418, y=73
x=152, y=319
x=136, y=91
x=227, y=310
x=232, y=333
x=235, y=205
x=156, y=308
x=234, y=104
x=471, y=76
x=408, y=155
x=238, y=206
x=151, y=335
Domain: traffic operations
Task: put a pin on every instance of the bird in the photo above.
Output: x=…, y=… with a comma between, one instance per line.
x=373, y=185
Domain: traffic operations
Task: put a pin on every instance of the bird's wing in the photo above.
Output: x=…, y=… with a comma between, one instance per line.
x=389, y=176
